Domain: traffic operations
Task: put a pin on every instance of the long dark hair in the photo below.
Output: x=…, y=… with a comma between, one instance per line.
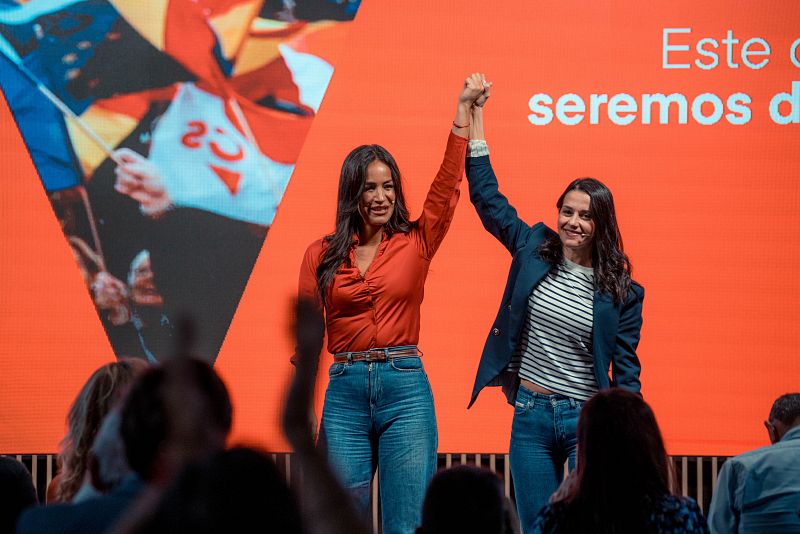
x=612, y=268
x=622, y=467
x=348, y=219
x=99, y=394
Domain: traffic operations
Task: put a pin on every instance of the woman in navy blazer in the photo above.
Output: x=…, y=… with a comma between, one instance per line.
x=587, y=240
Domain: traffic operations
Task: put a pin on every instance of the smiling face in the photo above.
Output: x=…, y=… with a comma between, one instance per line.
x=576, y=226
x=376, y=204
x=143, y=289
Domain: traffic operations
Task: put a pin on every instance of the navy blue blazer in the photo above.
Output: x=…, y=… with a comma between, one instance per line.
x=615, y=329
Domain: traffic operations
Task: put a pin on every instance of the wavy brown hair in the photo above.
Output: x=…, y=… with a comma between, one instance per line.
x=612, y=268
x=101, y=392
x=622, y=471
x=348, y=219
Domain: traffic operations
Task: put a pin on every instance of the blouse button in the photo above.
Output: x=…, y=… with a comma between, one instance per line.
x=495, y=331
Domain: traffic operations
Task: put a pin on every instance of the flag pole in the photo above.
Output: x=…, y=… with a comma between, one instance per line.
x=79, y=122
x=57, y=102
x=84, y=127
x=240, y=118
x=93, y=227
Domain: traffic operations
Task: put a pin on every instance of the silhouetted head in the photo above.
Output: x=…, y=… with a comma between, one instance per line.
x=176, y=413
x=622, y=471
x=16, y=492
x=233, y=491
x=784, y=415
x=620, y=444
x=464, y=499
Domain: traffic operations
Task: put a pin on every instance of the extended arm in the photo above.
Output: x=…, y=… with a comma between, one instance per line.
x=326, y=506
x=307, y=288
x=497, y=215
x=440, y=204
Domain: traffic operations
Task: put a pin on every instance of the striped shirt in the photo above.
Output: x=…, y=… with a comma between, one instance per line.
x=555, y=348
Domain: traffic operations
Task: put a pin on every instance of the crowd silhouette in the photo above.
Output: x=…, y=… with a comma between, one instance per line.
x=145, y=451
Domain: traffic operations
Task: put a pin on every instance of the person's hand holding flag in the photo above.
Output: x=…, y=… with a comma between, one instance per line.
x=140, y=179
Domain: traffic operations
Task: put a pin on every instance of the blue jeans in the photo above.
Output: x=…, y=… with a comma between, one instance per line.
x=542, y=439
x=380, y=414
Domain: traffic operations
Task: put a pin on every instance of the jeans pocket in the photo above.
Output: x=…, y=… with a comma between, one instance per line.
x=406, y=365
x=336, y=369
x=520, y=407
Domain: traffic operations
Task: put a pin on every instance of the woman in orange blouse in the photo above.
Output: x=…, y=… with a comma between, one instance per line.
x=369, y=278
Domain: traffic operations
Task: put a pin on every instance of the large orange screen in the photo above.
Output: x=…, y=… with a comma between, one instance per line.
x=706, y=194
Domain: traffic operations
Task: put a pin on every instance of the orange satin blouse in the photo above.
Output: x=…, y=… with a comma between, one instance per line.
x=382, y=308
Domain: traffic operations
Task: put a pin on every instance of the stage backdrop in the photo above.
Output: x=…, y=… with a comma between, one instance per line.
x=689, y=112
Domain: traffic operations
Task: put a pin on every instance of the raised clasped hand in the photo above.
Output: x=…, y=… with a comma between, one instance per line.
x=475, y=86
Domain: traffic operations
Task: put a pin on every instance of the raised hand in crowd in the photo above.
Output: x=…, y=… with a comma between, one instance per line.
x=309, y=330
x=140, y=179
x=325, y=505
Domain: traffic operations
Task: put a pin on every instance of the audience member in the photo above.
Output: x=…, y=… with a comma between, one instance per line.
x=175, y=414
x=16, y=492
x=622, y=480
x=466, y=499
x=107, y=465
x=101, y=392
x=326, y=507
x=239, y=490
x=759, y=491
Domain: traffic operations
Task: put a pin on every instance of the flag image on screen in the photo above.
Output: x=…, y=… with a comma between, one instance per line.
x=217, y=95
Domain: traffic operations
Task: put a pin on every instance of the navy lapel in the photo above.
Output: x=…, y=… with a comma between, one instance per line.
x=532, y=270
x=605, y=322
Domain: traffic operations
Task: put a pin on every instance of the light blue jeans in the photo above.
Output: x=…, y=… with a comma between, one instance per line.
x=543, y=437
x=381, y=414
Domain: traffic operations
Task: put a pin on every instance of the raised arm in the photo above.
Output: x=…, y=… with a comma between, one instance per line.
x=325, y=504
x=497, y=215
x=307, y=288
x=440, y=204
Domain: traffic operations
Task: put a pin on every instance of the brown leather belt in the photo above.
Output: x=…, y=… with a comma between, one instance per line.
x=377, y=355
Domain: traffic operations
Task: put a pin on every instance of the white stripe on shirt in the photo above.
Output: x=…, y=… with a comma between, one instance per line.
x=555, y=347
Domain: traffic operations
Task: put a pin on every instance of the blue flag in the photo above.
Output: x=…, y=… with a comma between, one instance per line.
x=80, y=50
x=42, y=127
x=55, y=39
